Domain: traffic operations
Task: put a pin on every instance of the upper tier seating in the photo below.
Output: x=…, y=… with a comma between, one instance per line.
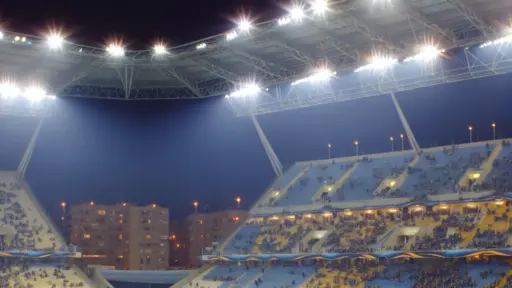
x=500, y=177
x=23, y=225
x=439, y=172
x=368, y=175
x=314, y=178
x=243, y=241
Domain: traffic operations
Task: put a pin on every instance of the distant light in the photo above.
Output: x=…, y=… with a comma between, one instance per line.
x=55, y=41
x=8, y=89
x=1, y=35
x=115, y=50
x=17, y=38
x=246, y=90
x=427, y=53
x=230, y=36
x=319, y=75
x=34, y=93
x=201, y=46
x=81, y=49
x=159, y=49
x=378, y=63
x=503, y=40
x=23, y=39
x=296, y=13
x=244, y=25
x=283, y=21
x=319, y=6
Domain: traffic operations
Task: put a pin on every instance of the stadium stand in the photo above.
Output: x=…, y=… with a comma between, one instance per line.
x=361, y=222
x=26, y=228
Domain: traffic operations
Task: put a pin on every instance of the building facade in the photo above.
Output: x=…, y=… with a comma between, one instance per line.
x=125, y=236
x=205, y=229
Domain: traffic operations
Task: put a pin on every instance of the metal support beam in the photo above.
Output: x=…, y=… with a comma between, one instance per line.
x=422, y=20
x=258, y=64
x=22, y=168
x=126, y=77
x=472, y=17
x=62, y=80
x=274, y=161
x=289, y=50
x=216, y=70
x=171, y=72
x=407, y=128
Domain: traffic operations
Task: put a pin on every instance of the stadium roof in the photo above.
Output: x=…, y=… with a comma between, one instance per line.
x=343, y=38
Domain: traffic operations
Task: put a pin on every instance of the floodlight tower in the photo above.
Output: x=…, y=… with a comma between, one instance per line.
x=407, y=128
x=22, y=168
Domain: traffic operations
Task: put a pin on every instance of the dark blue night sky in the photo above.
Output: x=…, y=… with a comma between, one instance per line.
x=172, y=153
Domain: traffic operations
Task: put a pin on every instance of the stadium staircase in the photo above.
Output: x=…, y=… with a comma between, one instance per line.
x=284, y=190
x=318, y=195
x=485, y=168
x=198, y=273
x=400, y=179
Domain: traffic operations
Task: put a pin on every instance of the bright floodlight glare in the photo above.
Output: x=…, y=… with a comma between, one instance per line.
x=1, y=35
x=297, y=13
x=320, y=75
x=230, y=36
x=427, y=53
x=9, y=89
x=246, y=90
x=55, y=41
x=201, y=46
x=503, y=40
x=283, y=21
x=159, y=49
x=34, y=94
x=115, y=50
x=17, y=38
x=244, y=25
x=378, y=63
x=319, y=6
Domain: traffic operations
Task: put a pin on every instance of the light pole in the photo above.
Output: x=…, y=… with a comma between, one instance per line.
x=62, y=218
x=329, y=147
x=402, y=140
x=470, y=128
x=195, y=206
x=357, y=147
x=493, y=130
x=238, y=200
x=392, y=143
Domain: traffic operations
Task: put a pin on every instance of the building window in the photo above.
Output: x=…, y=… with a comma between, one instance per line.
x=120, y=236
x=148, y=237
x=87, y=236
x=121, y=221
x=101, y=212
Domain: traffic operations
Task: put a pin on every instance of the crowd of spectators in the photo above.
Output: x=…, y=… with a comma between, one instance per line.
x=42, y=276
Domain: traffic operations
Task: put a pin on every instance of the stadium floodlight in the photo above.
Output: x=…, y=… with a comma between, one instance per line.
x=283, y=21
x=246, y=90
x=8, y=89
x=319, y=6
x=320, y=75
x=54, y=41
x=34, y=94
x=297, y=12
x=115, y=50
x=427, y=53
x=1, y=35
x=244, y=25
x=159, y=49
x=230, y=36
x=503, y=40
x=378, y=63
x=17, y=38
x=201, y=46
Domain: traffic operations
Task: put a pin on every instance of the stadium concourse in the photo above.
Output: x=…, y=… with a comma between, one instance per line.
x=437, y=218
